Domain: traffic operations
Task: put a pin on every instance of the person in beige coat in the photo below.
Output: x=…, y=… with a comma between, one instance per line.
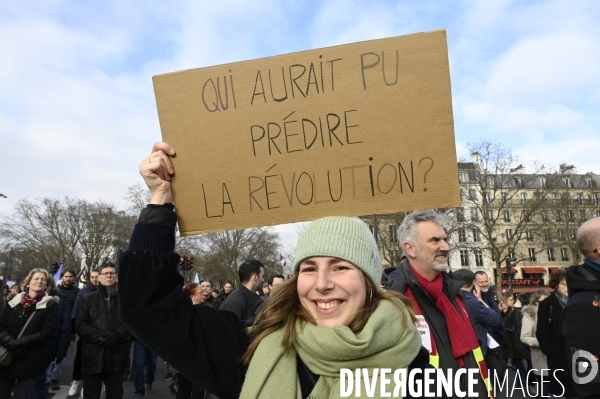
x=538, y=358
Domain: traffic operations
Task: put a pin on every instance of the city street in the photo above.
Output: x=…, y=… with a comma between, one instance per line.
x=160, y=388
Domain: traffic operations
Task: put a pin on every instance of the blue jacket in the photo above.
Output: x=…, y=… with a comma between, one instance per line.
x=59, y=343
x=482, y=318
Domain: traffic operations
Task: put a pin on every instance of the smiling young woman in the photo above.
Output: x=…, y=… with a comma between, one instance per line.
x=331, y=315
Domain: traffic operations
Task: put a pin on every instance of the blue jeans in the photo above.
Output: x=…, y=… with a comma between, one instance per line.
x=143, y=357
x=54, y=371
x=39, y=389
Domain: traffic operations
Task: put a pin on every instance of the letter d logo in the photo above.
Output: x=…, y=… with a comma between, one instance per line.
x=583, y=362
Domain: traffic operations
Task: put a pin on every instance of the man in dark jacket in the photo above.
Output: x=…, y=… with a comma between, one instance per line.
x=493, y=357
x=227, y=289
x=481, y=315
x=442, y=318
x=105, y=347
x=91, y=286
x=209, y=299
x=243, y=300
x=68, y=287
x=581, y=315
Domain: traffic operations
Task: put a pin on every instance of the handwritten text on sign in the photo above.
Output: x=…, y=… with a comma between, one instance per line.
x=348, y=130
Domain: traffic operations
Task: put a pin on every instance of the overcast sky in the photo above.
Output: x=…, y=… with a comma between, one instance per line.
x=77, y=109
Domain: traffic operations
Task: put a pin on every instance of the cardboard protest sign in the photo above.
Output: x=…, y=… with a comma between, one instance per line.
x=348, y=130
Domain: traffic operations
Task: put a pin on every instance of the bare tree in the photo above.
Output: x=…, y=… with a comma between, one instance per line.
x=501, y=202
x=573, y=199
x=137, y=198
x=224, y=251
x=49, y=228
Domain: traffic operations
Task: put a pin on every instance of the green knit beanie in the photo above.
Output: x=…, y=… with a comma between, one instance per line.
x=347, y=238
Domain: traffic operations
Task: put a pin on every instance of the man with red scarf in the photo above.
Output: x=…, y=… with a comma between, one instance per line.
x=442, y=318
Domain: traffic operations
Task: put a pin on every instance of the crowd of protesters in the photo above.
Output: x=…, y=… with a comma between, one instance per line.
x=291, y=337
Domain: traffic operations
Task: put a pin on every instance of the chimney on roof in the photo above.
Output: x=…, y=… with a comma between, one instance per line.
x=477, y=161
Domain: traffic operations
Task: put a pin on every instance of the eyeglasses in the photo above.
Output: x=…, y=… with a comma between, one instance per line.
x=108, y=274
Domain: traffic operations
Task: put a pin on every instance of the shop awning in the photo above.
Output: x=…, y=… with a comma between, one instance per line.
x=534, y=270
x=553, y=269
x=513, y=269
x=527, y=289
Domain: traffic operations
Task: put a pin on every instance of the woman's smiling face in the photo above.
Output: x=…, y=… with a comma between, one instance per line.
x=331, y=289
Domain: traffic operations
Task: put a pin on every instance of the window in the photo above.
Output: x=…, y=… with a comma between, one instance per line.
x=529, y=235
x=507, y=216
x=393, y=233
x=474, y=214
x=579, y=198
x=542, y=181
x=504, y=197
x=476, y=235
x=582, y=215
x=460, y=214
x=597, y=213
x=526, y=216
x=554, y=198
x=544, y=216
x=564, y=254
x=488, y=198
x=523, y=198
x=561, y=234
x=571, y=216
x=532, y=256
x=547, y=235
x=511, y=254
x=463, y=176
x=568, y=182
x=551, y=257
x=493, y=256
x=509, y=234
x=518, y=182
x=462, y=235
x=490, y=182
x=558, y=216
x=464, y=257
x=596, y=199
x=478, y=257
x=588, y=181
x=472, y=194
x=491, y=215
x=573, y=234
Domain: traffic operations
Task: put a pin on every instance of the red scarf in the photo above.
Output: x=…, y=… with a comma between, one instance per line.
x=460, y=331
x=28, y=301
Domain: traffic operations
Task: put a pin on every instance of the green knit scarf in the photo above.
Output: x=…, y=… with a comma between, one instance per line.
x=383, y=343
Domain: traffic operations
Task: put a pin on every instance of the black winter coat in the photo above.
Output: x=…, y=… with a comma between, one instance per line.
x=59, y=343
x=242, y=302
x=522, y=350
x=401, y=279
x=581, y=322
x=204, y=344
x=35, y=337
x=69, y=292
x=105, y=342
x=548, y=334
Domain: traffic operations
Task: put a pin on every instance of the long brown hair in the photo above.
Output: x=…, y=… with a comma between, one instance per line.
x=284, y=309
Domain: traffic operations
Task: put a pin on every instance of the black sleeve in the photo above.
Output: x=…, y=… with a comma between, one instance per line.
x=543, y=333
x=204, y=344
